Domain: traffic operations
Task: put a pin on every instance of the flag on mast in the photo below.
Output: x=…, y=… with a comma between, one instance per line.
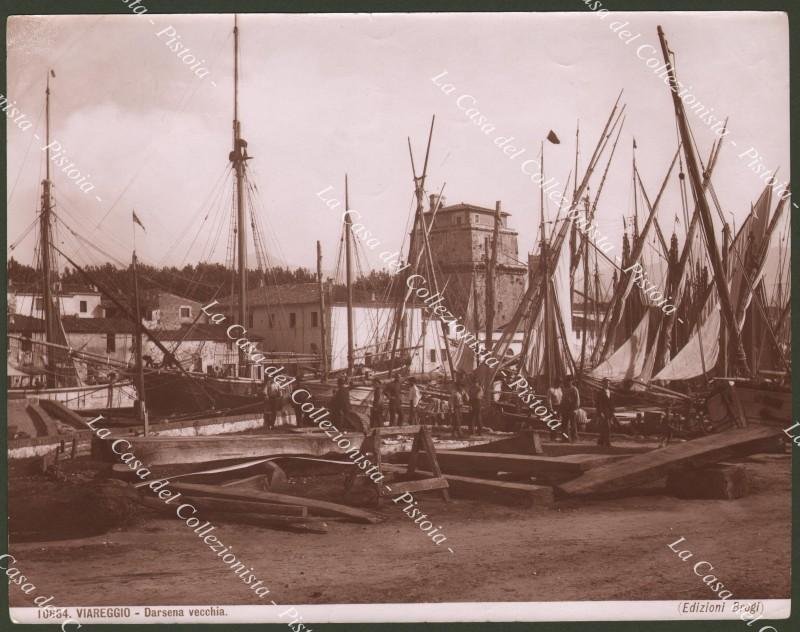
x=551, y=136
x=138, y=221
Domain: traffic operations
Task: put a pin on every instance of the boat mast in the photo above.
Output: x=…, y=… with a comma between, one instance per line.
x=490, y=279
x=50, y=316
x=705, y=214
x=543, y=254
x=348, y=230
x=322, y=332
x=141, y=409
x=238, y=157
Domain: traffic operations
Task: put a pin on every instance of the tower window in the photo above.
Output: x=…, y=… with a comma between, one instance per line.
x=292, y=320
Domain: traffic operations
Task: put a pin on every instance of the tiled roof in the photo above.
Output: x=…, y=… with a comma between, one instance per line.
x=18, y=323
x=303, y=294
x=200, y=331
x=288, y=294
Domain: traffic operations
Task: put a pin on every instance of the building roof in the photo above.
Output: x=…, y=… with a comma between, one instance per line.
x=65, y=290
x=287, y=294
x=19, y=323
x=302, y=294
x=200, y=331
x=463, y=206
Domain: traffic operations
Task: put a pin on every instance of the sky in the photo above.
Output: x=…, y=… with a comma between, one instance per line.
x=325, y=95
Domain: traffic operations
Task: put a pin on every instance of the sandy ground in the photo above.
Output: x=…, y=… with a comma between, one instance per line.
x=611, y=549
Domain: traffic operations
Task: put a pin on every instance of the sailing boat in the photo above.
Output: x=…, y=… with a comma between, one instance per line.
x=46, y=369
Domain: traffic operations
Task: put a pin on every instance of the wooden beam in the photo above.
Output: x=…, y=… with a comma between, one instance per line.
x=491, y=462
x=172, y=450
x=319, y=507
x=501, y=492
x=646, y=468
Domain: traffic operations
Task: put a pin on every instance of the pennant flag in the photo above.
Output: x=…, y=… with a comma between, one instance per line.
x=138, y=221
x=551, y=136
x=634, y=143
x=52, y=73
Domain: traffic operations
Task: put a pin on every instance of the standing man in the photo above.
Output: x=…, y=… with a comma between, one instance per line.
x=416, y=397
x=554, y=395
x=665, y=428
x=271, y=399
x=604, y=406
x=376, y=414
x=455, y=409
x=299, y=415
x=570, y=402
x=393, y=392
x=341, y=401
x=475, y=397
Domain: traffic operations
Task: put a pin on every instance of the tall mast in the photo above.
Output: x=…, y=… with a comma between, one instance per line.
x=705, y=213
x=50, y=316
x=238, y=157
x=544, y=254
x=635, y=198
x=141, y=409
x=585, y=294
x=348, y=237
x=322, y=332
x=490, y=279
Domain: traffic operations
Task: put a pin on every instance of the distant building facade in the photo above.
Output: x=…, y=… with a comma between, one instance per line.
x=461, y=242
x=287, y=318
x=80, y=304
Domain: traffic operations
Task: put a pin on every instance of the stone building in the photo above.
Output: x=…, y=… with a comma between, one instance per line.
x=461, y=241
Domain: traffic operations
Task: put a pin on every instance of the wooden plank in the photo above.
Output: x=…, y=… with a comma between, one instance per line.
x=427, y=442
x=427, y=484
x=45, y=425
x=458, y=462
x=255, y=481
x=64, y=414
x=319, y=507
x=526, y=442
x=209, y=503
x=501, y=492
x=175, y=450
x=399, y=430
x=564, y=449
x=645, y=468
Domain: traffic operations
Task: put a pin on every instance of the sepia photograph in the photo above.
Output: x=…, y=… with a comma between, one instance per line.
x=398, y=317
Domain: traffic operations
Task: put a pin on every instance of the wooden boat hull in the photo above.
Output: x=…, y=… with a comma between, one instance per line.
x=761, y=405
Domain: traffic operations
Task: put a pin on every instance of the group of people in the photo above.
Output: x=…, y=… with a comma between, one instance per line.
x=565, y=400
x=390, y=397
x=465, y=392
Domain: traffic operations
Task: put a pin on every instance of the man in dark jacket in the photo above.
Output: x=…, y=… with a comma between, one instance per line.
x=340, y=404
x=393, y=392
x=570, y=402
x=604, y=406
x=376, y=414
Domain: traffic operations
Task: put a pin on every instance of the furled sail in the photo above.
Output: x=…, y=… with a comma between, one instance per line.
x=628, y=361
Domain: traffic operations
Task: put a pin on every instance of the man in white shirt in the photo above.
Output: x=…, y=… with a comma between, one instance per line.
x=416, y=397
